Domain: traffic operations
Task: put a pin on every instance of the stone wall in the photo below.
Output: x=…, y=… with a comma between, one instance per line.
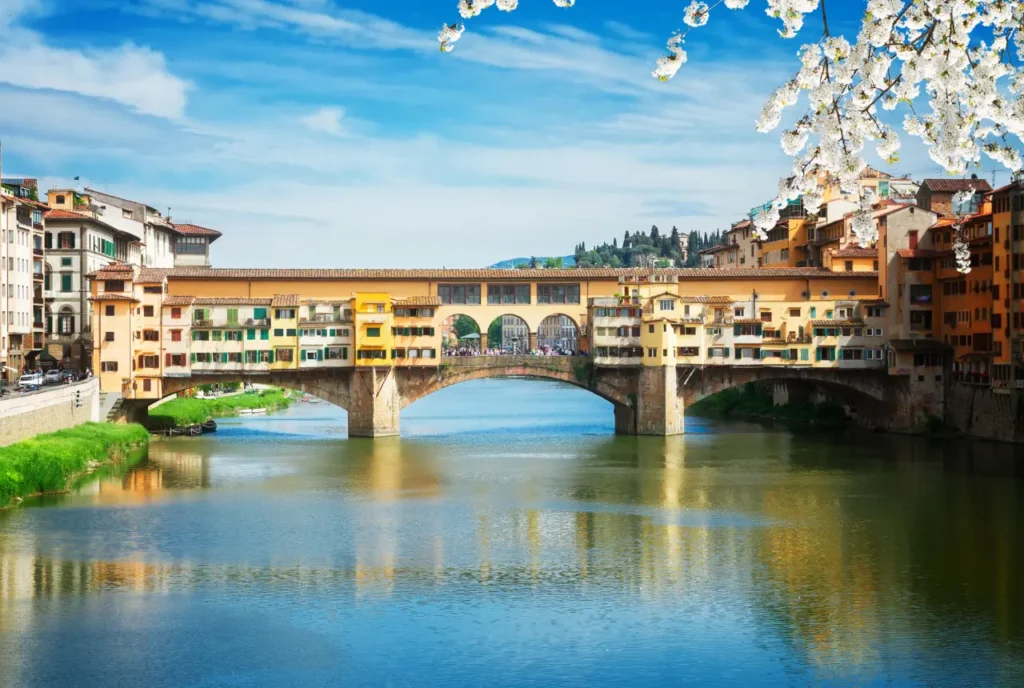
x=25, y=416
x=983, y=413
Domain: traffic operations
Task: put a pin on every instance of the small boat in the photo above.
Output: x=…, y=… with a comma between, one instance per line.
x=195, y=430
x=208, y=426
x=259, y=411
x=245, y=412
x=176, y=432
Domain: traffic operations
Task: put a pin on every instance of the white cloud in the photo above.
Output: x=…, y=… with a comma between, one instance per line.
x=132, y=75
x=326, y=119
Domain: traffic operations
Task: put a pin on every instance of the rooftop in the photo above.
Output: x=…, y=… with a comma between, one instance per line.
x=952, y=185
x=856, y=252
x=497, y=274
x=194, y=230
x=285, y=301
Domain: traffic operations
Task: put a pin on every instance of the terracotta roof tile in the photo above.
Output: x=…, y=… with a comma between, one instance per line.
x=194, y=230
x=747, y=321
x=326, y=302
x=950, y=185
x=285, y=301
x=897, y=208
x=856, y=252
x=419, y=301
x=497, y=274
x=66, y=215
x=922, y=253
x=113, y=297
x=706, y=299
x=235, y=301
x=178, y=300
x=152, y=275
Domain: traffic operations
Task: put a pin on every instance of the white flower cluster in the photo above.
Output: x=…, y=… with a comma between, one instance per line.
x=964, y=56
x=448, y=35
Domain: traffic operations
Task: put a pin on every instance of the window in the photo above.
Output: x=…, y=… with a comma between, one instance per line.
x=285, y=355
x=153, y=290
x=108, y=336
x=284, y=314
x=366, y=354
x=108, y=366
x=508, y=293
x=66, y=240
x=60, y=199
x=65, y=281
x=175, y=335
x=652, y=353
x=738, y=312
x=150, y=335
x=149, y=361
x=200, y=336
x=558, y=293
x=372, y=331
x=814, y=312
x=190, y=244
x=113, y=285
x=65, y=262
x=108, y=309
x=147, y=311
x=233, y=336
x=766, y=316
x=921, y=294
x=666, y=305
x=176, y=313
x=794, y=312
x=174, y=360
x=459, y=293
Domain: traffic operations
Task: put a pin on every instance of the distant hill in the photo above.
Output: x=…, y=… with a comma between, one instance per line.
x=567, y=261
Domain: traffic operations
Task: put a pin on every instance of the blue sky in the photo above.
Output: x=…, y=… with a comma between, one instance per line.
x=328, y=133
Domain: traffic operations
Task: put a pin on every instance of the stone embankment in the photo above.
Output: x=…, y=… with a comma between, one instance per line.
x=52, y=408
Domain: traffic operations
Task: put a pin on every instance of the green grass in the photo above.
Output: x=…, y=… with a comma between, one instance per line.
x=747, y=401
x=45, y=463
x=189, y=410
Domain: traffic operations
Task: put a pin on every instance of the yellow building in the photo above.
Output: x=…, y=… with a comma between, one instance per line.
x=374, y=333
x=284, y=331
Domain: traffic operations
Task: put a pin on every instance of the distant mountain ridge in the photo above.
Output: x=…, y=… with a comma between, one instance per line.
x=511, y=263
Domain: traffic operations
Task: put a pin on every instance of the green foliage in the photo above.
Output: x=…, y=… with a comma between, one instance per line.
x=47, y=462
x=665, y=249
x=465, y=325
x=187, y=411
x=748, y=401
x=494, y=334
x=553, y=263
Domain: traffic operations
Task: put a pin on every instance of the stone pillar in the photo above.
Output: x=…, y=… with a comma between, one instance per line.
x=625, y=420
x=780, y=394
x=659, y=409
x=373, y=403
x=483, y=341
x=533, y=341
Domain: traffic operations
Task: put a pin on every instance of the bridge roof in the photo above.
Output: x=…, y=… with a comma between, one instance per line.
x=499, y=274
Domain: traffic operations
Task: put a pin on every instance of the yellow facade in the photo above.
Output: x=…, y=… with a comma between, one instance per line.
x=284, y=333
x=374, y=336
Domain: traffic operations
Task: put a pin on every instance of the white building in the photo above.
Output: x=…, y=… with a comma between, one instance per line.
x=21, y=278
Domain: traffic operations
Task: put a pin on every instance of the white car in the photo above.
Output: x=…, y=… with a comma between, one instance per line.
x=52, y=377
x=30, y=380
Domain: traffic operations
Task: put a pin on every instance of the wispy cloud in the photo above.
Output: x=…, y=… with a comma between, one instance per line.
x=132, y=75
x=326, y=119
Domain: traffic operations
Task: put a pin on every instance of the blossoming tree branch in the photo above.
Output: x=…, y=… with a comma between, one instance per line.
x=963, y=54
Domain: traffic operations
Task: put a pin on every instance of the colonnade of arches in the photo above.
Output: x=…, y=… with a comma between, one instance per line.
x=509, y=334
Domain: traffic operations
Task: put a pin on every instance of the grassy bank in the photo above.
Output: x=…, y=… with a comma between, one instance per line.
x=189, y=410
x=48, y=463
x=748, y=402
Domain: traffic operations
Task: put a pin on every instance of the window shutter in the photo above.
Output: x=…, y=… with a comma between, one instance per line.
x=331, y=332
x=192, y=357
x=270, y=357
x=259, y=313
x=737, y=353
x=709, y=353
x=736, y=330
x=325, y=354
x=817, y=354
x=224, y=357
x=264, y=334
x=758, y=331
x=726, y=350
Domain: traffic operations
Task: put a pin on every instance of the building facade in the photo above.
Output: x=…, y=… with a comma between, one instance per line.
x=21, y=278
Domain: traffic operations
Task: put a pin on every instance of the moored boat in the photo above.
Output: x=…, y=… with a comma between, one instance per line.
x=208, y=426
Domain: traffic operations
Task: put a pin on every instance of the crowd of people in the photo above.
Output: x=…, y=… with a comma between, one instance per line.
x=540, y=351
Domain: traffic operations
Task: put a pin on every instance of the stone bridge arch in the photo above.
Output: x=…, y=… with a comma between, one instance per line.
x=619, y=389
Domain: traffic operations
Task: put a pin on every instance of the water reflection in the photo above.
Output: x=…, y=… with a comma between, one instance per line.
x=854, y=559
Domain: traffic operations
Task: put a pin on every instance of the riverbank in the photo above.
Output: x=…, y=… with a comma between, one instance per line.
x=749, y=402
x=186, y=411
x=50, y=463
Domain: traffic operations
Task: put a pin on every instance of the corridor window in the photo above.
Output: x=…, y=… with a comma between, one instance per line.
x=459, y=293
x=508, y=294
x=285, y=355
x=108, y=366
x=284, y=314
x=558, y=293
x=666, y=305
x=372, y=331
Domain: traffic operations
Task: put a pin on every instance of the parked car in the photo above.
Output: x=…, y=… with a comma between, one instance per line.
x=51, y=377
x=30, y=380
x=68, y=375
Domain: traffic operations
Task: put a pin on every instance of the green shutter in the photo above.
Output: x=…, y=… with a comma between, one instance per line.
x=224, y=357
x=193, y=358
x=709, y=353
x=216, y=335
x=817, y=354
x=803, y=354
x=259, y=313
x=737, y=353
x=233, y=316
x=264, y=334
x=726, y=352
x=757, y=330
x=270, y=357
x=330, y=332
x=736, y=330
x=344, y=353
x=250, y=334
x=326, y=353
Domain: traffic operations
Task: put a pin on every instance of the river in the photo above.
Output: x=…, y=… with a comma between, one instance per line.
x=509, y=538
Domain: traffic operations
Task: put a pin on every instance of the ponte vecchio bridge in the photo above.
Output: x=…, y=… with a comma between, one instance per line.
x=374, y=341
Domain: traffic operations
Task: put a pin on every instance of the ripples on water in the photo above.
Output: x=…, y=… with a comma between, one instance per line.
x=509, y=538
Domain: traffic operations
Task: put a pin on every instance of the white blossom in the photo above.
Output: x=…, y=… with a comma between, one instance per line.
x=448, y=35
x=696, y=14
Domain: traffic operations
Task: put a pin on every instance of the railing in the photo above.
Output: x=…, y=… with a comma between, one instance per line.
x=323, y=318
x=38, y=252
x=257, y=322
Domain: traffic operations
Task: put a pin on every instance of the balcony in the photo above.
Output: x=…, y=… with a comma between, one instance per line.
x=38, y=252
x=324, y=318
x=256, y=322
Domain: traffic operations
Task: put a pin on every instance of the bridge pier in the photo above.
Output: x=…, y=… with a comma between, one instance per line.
x=658, y=409
x=374, y=403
